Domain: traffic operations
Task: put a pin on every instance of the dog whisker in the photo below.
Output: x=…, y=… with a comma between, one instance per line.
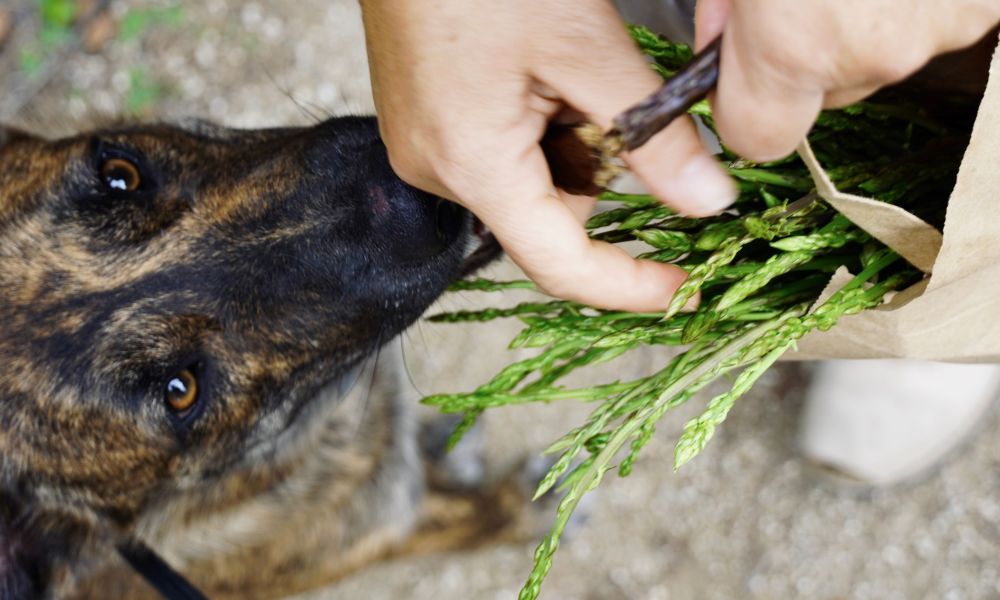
x=405, y=361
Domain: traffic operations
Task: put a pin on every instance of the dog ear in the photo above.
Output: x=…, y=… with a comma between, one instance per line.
x=20, y=567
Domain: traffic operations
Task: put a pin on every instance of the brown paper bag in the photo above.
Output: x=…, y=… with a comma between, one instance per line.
x=954, y=314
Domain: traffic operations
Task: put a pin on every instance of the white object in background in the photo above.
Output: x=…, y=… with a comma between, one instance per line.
x=885, y=421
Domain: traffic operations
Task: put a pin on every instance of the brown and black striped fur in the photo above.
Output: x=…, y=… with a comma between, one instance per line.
x=271, y=264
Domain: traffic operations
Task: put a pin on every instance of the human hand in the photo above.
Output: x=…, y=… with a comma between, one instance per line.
x=784, y=60
x=465, y=90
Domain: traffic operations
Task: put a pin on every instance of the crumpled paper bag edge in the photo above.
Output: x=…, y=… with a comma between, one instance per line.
x=944, y=322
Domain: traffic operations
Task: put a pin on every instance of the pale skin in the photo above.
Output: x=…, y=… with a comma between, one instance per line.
x=464, y=90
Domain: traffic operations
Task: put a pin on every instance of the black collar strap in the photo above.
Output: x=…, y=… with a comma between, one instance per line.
x=171, y=584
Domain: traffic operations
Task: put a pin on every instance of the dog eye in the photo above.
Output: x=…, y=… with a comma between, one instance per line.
x=120, y=175
x=182, y=392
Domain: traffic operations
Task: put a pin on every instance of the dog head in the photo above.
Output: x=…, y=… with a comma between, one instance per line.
x=175, y=301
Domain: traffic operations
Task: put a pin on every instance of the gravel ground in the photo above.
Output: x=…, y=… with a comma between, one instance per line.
x=748, y=519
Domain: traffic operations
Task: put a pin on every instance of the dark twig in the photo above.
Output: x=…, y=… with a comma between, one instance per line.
x=635, y=126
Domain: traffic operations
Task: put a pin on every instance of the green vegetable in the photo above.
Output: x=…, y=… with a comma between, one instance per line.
x=759, y=270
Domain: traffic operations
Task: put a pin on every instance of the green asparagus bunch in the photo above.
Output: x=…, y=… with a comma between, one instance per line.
x=759, y=269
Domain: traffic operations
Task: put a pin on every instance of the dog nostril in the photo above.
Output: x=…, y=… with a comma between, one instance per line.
x=448, y=219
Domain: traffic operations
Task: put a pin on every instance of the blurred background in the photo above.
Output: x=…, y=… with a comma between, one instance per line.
x=747, y=519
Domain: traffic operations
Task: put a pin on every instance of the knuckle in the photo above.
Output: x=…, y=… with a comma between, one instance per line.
x=565, y=289
x=756, y=138
x=569, y=283
x=459, y=162
x=896, y=66
x=422, y=159
x=884, y=59
x=404, y=165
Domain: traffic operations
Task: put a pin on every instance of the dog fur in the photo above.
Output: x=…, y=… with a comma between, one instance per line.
x=271, y=264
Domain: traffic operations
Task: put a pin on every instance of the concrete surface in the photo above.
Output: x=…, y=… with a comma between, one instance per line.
x=747, y=519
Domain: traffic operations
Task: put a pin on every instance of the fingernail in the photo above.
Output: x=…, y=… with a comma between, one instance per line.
x=701, y=188
x=692, y=304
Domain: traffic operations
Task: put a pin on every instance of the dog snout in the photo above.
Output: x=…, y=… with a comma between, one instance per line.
x=346, y=156
x=415, y=225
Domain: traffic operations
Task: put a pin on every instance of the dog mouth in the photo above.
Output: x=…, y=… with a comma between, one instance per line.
x=482, y=249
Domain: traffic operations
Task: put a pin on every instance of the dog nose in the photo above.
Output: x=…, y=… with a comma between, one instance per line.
x=408, y=224
x=416, y=225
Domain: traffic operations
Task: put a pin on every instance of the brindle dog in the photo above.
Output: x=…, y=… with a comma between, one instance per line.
x=183, y=312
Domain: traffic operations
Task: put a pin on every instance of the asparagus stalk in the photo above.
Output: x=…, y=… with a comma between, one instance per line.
x=758, y=270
